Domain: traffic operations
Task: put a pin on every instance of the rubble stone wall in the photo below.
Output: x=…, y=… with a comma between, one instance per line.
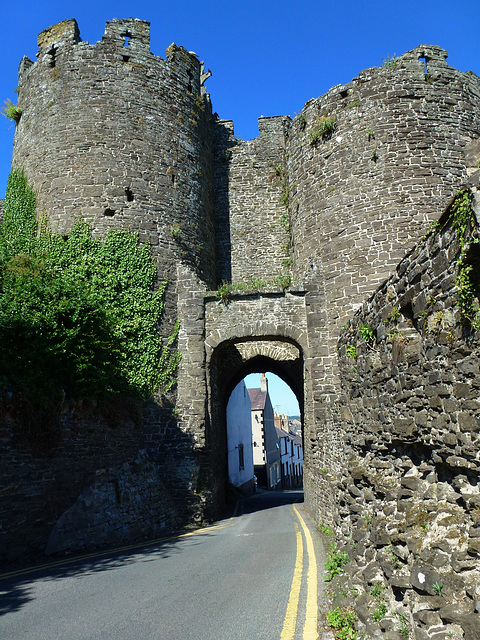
x=408, y=489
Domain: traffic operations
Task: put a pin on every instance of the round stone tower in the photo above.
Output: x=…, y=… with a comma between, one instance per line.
x=371, y=163
x=117, y=136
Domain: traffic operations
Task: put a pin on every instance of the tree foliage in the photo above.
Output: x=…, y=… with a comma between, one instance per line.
x=78, y=315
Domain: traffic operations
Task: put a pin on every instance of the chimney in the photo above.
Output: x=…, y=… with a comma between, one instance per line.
x=263, y=384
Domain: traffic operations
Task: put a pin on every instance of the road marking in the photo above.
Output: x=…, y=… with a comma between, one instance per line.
x=290, y=621
x=311, y=614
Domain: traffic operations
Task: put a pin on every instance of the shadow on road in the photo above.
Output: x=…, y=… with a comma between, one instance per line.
x=268, y=500
x=17, y=587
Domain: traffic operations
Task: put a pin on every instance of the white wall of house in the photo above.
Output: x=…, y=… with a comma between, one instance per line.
x=239, y=437
x=291, y=452
x=258, y=436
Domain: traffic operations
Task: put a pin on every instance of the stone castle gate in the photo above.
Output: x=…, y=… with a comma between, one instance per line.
x=316, y=212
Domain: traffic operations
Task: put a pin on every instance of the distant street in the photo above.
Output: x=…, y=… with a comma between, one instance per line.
x=231, y=581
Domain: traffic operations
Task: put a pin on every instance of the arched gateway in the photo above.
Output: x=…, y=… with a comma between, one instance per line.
x=251, y=331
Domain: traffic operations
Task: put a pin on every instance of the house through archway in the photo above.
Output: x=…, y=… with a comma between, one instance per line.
x=232, y=445
x=264, y=435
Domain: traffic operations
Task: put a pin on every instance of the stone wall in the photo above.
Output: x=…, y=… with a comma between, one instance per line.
x=129, y=503
x=117, y=474
x=407, y=486
x=405, y=138
x=251, y=202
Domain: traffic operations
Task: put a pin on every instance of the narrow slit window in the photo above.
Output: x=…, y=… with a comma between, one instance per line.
x=53, y=56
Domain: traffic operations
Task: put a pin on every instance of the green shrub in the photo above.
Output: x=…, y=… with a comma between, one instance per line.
x=175, y=232
x=394, y=314
x=379, y=612
x=323, y=129
x=403, y=626
x=283, y=280
x=367, y=333
x=77, y=315
x=336, y=560
x=324, y=528
x=11, y=111
x=352, y=351
x=343, y=621
x=377, y=590
x=437, y=588
x=391, y=62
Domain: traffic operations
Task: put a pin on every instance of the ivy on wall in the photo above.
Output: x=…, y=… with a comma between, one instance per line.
x=467, y=276
x=78, y=315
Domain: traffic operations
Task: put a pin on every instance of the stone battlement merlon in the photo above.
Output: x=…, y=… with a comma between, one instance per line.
x=429, y=53
x=130, y=33
x=123, y=38
x=62, y=33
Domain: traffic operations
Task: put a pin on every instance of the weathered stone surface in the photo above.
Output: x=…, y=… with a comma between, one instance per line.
x=433, y=503
x=370, y=337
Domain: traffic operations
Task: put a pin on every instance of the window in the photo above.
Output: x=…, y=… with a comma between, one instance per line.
x=241, y=459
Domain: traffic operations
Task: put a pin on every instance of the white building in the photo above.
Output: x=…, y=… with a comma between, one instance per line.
x=239, y=439
x=291, y=452
x=266, y=448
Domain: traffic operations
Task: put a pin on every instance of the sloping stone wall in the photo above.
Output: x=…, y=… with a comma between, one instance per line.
x=407, y=486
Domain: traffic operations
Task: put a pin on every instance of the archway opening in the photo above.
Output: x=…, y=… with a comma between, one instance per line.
x=230, y=364
x=244, y=430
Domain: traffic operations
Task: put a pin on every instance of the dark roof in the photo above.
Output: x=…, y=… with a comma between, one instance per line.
x=257, y=399
x=281, y=433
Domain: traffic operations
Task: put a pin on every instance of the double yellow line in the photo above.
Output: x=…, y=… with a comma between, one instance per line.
x=311, y=613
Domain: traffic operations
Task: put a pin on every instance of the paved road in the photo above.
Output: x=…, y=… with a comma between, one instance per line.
x=231, y=581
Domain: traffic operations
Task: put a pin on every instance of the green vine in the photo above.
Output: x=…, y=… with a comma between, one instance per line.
x=78, y=315
x=279, y=175
x=463, y=220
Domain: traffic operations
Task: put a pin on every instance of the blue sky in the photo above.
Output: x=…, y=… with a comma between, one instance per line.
x=267, y=58
x=282, y=397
